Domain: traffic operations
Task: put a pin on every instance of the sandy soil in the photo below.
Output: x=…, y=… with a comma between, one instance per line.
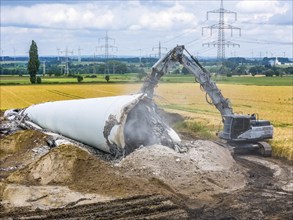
x=155, y=182
x=205, y=169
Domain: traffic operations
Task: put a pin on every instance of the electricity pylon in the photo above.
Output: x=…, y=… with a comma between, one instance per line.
x=221, y=26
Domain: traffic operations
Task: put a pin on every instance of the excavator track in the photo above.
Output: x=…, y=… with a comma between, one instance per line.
x=265, y=149
x=262, y=148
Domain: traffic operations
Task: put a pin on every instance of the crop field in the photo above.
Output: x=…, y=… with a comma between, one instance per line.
x=272, y=103
x=24, y=80
x=171, y=78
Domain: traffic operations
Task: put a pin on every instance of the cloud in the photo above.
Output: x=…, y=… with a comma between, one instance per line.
x=283, y=18
x=57, y=16
x=134, y=24
x=265, y=6
x=261, y=11
x=97, y=15
x=172, y=17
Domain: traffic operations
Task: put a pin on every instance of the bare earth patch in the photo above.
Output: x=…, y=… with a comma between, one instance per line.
x=205, y=182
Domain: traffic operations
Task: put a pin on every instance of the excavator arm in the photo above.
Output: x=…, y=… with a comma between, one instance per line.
x=244, y=130
x=202, y=76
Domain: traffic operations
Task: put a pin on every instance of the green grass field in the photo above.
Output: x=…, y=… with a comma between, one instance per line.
x=24, y=80
x=118, y=78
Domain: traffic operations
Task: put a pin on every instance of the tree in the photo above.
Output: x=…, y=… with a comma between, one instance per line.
x=231, y=65
x=185, y=71
x=240, y=70
x=107, y=78
x=39, y=80
x=256, y=70
x=117, y=67
x=141, y=74
x=79, y=78
x=269, y=72
x=223, y=70
x=33, y=63
x=278, y=72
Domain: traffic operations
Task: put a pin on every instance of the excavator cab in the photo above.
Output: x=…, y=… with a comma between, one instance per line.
x=245, y=128
x=235, y=125
x=245, y=131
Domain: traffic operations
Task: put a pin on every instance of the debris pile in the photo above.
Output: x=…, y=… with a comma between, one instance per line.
x=205, y=179
x=20, y=149
x=206, y=168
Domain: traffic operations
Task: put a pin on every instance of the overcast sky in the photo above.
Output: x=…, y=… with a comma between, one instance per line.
x=266, y=26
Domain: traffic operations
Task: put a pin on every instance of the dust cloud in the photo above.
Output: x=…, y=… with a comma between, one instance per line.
x=145, y=127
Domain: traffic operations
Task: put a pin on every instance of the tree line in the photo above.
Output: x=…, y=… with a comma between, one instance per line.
x=54, y=67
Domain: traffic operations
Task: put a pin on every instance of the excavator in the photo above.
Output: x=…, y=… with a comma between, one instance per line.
x=240, y=131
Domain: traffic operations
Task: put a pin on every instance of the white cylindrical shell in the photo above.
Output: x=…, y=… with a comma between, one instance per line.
x=85, y=119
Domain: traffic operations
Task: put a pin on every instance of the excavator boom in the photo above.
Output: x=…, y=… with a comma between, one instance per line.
x=238, y=128
x=202, y=76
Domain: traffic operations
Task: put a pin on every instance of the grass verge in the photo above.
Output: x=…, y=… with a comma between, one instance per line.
x=195, y=128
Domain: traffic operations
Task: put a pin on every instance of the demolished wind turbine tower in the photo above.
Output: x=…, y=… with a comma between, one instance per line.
x=117, y=124
x=221, y=26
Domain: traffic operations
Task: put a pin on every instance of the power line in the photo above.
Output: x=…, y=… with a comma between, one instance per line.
x=66, y=52
x=260, y=41
x=106, y=47
x=159, y=48
x=180, y=35
x=221, y=43
x=140, y=50
x=2, y=57
x=44, y=68
x=79, y=54
x=14, y=58
x=58, y=52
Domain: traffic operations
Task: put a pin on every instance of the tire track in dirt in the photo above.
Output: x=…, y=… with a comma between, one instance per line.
x=262, y=198
x=138, y=207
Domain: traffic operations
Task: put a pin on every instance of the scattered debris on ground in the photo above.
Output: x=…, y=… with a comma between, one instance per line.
x=20, y=149
x=204, y=169
x=201, y=180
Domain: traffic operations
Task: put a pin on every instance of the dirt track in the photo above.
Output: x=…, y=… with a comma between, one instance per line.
x=139, y=207
x=262, y=198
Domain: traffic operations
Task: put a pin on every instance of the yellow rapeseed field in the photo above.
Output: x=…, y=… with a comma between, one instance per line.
x=274, y=103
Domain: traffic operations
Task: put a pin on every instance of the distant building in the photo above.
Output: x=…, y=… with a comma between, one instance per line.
x=288, y=64
x=275, y=62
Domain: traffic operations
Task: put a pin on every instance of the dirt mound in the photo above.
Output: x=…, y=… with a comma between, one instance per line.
x=20, y=142
x=206, y=168
x=17, y=150
x=76, y=168
x=203, y=181
x=55, y=167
